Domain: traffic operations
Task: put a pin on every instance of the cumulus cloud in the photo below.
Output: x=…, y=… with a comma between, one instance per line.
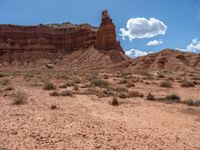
x=134, y=53
x=143, y=28
x=194, y=46
x=154, y=43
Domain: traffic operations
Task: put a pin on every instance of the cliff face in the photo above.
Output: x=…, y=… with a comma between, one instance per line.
x=19, y=43
x=32, y=44
x=106, y=36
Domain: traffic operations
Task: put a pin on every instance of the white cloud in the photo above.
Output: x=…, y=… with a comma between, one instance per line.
x=133, y=53
x=143, y=28
x=194, y=46
x=154, y=43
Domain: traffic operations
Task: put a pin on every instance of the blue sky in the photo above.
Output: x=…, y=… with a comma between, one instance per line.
x=181, y=17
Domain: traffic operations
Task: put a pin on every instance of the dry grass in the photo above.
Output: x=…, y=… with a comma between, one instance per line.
x=122, y=95
x=166, y=84
x=55, y=93
x=49, y=86
x=191, y=102
x=173, y=98
x=99, y=83
x=187, y=84
x=66, y=93
x=151, y=97
x=19, y=98
x=135, y=94
x=114, y=102
x=53, y=107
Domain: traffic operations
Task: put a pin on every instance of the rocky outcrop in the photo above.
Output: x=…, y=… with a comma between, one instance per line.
x=106, y=36
x=168, y=59
x=38, y=44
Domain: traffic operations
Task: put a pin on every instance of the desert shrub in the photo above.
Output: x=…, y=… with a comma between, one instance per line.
x=55, y=93
x=5, y=82
x=99, y=83
x=161, y=75
x=70, y=83
x=135, y=94
x=122, y=95
x=91, y=91
x=63, y=86
x=129, y=85
x=166, y=84
x=173, y=98
x=105, y=76
x=3, y=75
x=188, y=84
x=114, y=102
x=192, y=102
x=19, y=98
x=170, y=78
x=123, y=81
x=53, y=106
x=66, y=93
x=9, y=88
x=195, y=78
x=29, y=75
x=76, y=87
x=120, y=89
x=49, y=86
x=106, y=93
x=92, y=77
x=150, y=97
x=98, y=92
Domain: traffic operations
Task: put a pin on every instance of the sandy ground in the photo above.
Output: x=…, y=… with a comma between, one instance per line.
x=89, y=122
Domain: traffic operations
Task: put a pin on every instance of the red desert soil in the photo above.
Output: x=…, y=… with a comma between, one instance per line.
x=89, y=122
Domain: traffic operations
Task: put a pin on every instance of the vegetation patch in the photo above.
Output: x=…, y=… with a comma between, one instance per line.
x=191, y=102
x=114, y=102
x=49, y=86
x=19, y=98
x=188, y=84
x=100, y=83
x=151, y=97
x=166, y=84
x=135, y=94
x=173, y=98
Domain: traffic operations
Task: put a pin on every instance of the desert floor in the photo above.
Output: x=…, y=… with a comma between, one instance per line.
x=84, y=117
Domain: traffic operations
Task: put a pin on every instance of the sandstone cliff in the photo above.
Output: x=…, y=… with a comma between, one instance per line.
x=38, y=44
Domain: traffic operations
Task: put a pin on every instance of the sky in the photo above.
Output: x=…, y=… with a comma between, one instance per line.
x=142, y=26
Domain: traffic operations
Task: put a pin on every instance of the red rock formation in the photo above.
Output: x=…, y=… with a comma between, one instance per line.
x=167, y=59
x=29, y=44
x=106, y=36
x=38, y=44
